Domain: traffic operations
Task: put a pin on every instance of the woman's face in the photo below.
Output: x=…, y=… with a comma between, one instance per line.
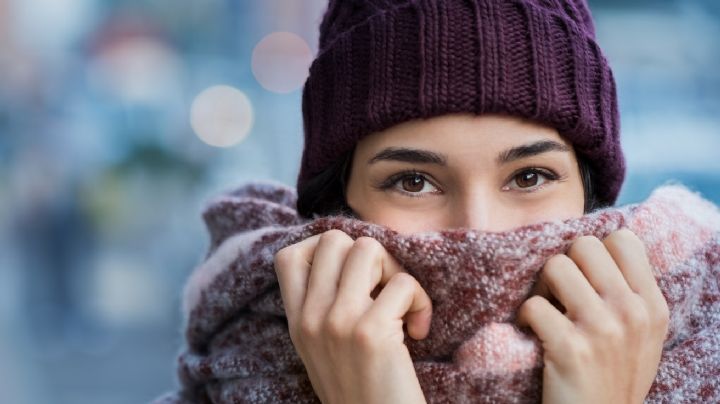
x=484, y=172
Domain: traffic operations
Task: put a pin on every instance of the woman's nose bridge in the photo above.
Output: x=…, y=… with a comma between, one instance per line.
x=475, y=212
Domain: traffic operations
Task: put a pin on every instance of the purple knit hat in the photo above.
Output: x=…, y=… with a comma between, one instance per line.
x=383, y=62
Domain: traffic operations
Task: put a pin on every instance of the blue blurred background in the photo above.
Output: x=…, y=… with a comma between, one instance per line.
x=118, y=119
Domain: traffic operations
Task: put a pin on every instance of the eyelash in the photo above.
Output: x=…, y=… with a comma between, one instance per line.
x=389, y=183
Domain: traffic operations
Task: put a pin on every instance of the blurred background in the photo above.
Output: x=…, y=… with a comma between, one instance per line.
x=118, y=119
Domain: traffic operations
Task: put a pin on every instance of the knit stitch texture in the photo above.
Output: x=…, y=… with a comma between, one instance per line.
x=238, y=348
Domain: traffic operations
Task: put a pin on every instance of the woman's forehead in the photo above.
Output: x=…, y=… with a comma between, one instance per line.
x=461, y=134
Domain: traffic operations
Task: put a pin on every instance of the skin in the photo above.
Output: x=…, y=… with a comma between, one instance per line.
x=471, y=189
x=597, y=309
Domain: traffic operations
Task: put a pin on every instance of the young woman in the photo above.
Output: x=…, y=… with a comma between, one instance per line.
x=480, y=114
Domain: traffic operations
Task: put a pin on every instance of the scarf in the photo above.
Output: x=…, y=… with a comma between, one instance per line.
x=238, y=350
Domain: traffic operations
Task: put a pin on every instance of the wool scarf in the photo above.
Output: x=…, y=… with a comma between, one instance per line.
x=237, y=347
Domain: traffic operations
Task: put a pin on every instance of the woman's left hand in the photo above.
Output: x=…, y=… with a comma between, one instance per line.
x=606, y=346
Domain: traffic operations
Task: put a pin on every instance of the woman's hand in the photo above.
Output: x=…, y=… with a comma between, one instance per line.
x=606, y=346
x=351, y=342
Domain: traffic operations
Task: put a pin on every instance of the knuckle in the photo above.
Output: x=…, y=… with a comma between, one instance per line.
x=335, y=327
x=403, y=280
x=531, y=305
x=576, y=350
x=364, y=336
x=528, y=308
x=583, y=243
x=624, y=237
x=588, y=240
x=308, y=329
x=634, y=314
x=367, y=244
x=611, y=332
x=556, y=263
x=335, y=236
x=626, y=234
x=284, y=257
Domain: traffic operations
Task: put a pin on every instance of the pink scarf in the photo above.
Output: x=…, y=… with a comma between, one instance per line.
x=238, y=349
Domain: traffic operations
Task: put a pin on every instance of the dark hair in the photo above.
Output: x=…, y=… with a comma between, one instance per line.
x=324, y=194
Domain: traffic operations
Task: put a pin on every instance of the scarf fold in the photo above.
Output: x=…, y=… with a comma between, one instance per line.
x=238, y=349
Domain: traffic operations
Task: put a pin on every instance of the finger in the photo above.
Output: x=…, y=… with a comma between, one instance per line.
x=541, y=288
x=292, y=267
x=368, y=265
x=568, y=284
x=629, y=253
x=545, y=320
x=402, y=297
x=598, y=266
x=327, y=265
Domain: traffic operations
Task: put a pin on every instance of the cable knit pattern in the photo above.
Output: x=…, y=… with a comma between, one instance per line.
x=238, y=348
x=381, y=63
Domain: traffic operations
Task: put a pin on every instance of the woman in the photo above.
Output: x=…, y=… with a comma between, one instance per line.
x=487, y=115
x=445, y=242
x=489, y=173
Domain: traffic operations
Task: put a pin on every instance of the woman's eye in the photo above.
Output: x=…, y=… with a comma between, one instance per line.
x=415, y=185
x=530, y=180
x=527, y=179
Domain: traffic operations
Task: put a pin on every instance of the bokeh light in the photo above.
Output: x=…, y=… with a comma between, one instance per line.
x=280, y=62
x=221, y=116
x=140, y=69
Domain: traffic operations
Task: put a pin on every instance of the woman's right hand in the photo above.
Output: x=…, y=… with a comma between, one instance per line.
x=351, y=342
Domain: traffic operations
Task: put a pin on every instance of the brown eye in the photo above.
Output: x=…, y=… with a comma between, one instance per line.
x=410, y=184
x=527, y=179
x=530, y=180
x=413, y=183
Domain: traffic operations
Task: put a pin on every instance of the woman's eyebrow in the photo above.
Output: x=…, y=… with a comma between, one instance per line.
x=528, y=150
x=420, y=156
x=409, y=155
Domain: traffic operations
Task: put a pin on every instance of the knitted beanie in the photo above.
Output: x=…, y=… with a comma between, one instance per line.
x=383, y=62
